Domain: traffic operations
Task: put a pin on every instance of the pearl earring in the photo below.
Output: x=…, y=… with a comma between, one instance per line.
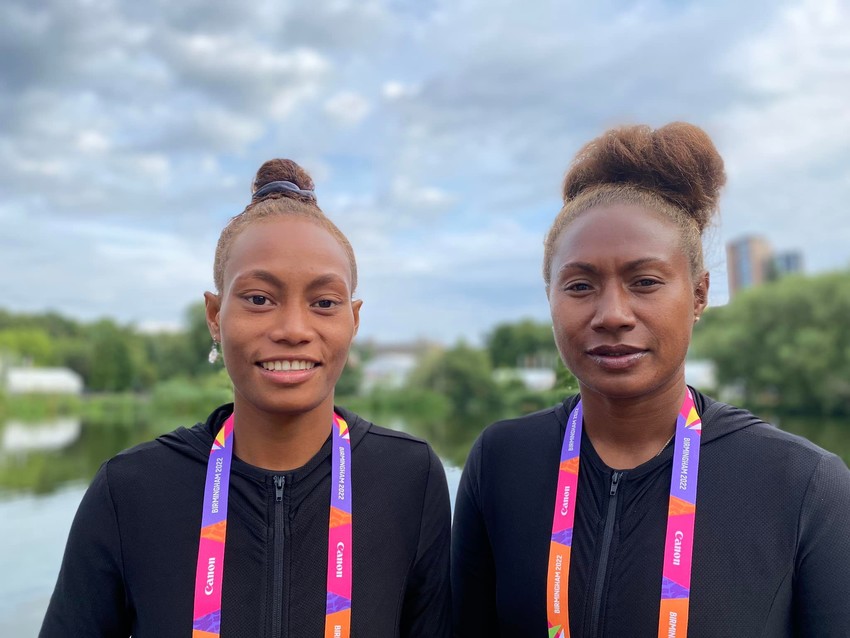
x=213, y=356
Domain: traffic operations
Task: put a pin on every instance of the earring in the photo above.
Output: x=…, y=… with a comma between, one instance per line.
x=213, y=356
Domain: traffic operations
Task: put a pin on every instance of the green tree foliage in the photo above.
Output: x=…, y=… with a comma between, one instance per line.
x=349, y=381
x=462, y=374
x=112, y=361
x=512, y=345
x=197, y=338
x=784, y=343
x=458, y=381
x=27, y=345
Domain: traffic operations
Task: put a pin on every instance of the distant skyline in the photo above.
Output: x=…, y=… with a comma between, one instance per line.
x=437, y=134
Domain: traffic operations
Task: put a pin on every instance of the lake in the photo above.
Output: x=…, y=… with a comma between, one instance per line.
x=44, y=470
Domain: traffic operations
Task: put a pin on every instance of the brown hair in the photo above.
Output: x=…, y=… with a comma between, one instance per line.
x=285, y=202
x=675, y=170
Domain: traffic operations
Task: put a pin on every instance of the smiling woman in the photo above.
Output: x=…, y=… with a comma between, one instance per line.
x=584, y=519
x=311, y=521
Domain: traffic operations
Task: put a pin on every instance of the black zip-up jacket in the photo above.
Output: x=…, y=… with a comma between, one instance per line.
x=129, y=566
x=772, y=534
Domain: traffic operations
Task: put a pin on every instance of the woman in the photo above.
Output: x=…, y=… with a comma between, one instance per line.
x=281, y=515
x=642, y=507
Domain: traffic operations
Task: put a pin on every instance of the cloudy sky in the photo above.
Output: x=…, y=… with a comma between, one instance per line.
x=437, y=132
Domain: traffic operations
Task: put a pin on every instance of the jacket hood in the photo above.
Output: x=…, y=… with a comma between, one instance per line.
x=195, y=442
x=720, y=419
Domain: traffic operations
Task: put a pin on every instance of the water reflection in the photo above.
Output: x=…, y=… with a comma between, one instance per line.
x=20, y=437
x=40, y=457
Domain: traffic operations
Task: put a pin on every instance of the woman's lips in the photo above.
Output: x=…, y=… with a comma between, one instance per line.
x=616, y=357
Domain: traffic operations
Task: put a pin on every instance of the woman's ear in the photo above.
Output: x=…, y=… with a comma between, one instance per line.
x=701, y=294
x=212, y=302
x=355, y=308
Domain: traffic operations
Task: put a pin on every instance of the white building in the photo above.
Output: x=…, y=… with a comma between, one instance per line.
x=42, y=381
x=535, y=379
x=389, y=370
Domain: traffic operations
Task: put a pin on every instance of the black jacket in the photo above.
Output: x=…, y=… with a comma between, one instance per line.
x=129, y=565
x=772, y=535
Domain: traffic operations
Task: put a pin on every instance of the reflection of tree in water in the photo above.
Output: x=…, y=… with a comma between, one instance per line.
x=44, y=471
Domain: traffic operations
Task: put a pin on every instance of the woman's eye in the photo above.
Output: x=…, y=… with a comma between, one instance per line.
x=258, y=300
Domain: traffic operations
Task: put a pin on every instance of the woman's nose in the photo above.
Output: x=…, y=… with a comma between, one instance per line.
x=613, y=310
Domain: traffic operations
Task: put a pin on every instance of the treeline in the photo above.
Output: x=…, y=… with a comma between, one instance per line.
x=784, y=346
x=108, y=356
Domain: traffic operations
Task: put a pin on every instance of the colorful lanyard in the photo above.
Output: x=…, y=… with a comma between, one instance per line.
x=210, y=571
x=681, y=511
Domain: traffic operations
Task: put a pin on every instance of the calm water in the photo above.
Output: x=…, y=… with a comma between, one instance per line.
x=45, y=467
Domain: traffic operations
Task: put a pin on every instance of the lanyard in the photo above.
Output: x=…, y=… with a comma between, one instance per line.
x=209, y=576
x=679, y=543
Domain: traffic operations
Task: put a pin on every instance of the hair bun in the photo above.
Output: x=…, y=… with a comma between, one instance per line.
x=678, y=162
x=284, y=170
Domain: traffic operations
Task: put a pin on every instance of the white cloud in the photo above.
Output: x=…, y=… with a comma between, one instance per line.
x=394, y=90
x=93, y=142
x=347, y=108
x=437, y=134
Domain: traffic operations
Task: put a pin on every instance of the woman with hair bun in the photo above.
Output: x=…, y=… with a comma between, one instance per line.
x=281, y=515
x=641, y=507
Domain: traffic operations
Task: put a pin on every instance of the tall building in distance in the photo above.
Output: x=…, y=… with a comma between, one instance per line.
x=750, y=261
x=787, y=263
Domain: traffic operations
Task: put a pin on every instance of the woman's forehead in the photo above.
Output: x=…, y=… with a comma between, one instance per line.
x=287, y=247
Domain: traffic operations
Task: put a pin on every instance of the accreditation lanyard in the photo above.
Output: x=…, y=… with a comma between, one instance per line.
x=678, y=548
x=210, y=570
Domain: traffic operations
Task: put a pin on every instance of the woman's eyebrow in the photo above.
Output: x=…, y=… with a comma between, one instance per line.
x=263, y=275
x=579, y=265
x=326, y=279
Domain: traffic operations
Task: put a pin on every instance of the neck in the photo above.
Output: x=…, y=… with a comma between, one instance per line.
x=279, y=442
x=628, y=432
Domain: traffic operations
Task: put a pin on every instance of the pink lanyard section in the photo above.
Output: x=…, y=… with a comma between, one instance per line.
x=206, y=618
x=681, y=511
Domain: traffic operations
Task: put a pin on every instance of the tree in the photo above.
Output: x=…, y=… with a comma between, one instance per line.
x=512, y=345
x=112, y=362
x=463, y=375
x=785, y=343
x=30, y=345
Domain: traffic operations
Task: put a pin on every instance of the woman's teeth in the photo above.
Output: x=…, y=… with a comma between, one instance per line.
x=277, y=366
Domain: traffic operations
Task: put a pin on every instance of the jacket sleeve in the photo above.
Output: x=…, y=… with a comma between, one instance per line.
x=473, y=568
x=427, y=603
x=822, y=571
x=89, y=598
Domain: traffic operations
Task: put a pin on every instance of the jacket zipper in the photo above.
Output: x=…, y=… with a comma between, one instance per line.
x=607, y=537
x=279, y=518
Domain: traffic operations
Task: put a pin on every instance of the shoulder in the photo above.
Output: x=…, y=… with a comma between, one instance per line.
x=726, y=423
x=395, y=466
x=784, y=460
x=518, y=447
x=160, y=460
x=388, y=446
x=528, y=431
